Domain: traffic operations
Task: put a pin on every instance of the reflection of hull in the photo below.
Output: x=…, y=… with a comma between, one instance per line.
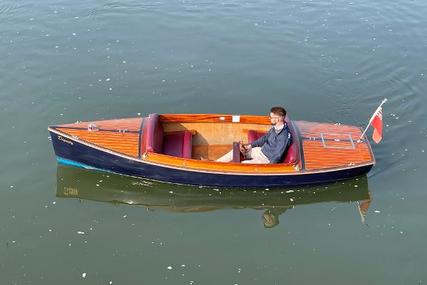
x=98, y=186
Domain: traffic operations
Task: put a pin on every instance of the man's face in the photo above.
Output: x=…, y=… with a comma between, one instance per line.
x=274, y=119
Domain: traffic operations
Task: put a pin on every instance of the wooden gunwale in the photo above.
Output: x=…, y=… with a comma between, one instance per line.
x=141, y=127
x=213, y=166
x=213, y=118
x=301, y=150
x=365, y=139
x=232, y=168
x=100, y=129
x=123, y=123
x=236, y=168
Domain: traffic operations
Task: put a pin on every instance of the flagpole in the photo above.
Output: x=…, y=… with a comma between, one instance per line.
x=370, y=121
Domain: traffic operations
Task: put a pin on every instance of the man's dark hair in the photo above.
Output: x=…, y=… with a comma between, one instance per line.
x=279, y=111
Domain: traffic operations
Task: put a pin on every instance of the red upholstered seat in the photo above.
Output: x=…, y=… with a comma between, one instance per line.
x=152, y=135
x=178, y=144
x=292, y=153
x=155, y=140
x=254, y=135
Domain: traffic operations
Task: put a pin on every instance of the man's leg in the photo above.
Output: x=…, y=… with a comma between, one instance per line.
x=256, y=156
x=226, y=157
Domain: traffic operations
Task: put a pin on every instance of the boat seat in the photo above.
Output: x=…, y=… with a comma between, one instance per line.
x=154, y=139
x=178, y=143
x=292, y=153
x=152, y=135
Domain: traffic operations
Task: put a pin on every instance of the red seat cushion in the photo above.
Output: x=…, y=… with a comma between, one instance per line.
x=292, y=154
x=178, y=144
x=152, y=139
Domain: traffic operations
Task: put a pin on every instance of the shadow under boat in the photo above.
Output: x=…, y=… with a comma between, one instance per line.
x=117, y=189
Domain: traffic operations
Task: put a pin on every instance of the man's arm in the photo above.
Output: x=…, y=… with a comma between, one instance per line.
x=261, y=141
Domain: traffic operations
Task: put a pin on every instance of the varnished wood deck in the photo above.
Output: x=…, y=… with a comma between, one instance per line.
x=328, y=146
x=120, y=135
x=128, y=124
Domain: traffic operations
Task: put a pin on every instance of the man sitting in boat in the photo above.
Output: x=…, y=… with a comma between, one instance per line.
x=269, y=148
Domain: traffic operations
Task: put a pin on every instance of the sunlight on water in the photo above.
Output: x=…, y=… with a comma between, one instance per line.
x=332, y=61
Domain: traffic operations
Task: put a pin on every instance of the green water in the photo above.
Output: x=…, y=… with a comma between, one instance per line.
x=331, y=61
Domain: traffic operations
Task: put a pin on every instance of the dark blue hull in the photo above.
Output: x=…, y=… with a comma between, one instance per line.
x=78, y=154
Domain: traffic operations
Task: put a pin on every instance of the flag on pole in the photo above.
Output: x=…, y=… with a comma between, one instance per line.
x=377, y=124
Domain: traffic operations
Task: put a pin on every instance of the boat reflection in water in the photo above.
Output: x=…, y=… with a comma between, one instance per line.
x=117, y=189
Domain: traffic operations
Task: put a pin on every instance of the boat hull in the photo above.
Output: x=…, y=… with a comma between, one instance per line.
x=70, y=151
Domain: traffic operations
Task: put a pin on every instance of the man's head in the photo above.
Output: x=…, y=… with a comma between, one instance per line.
x=277, y=115
x=270, y=220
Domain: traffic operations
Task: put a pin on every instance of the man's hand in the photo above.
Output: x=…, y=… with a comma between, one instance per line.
x=244, y=148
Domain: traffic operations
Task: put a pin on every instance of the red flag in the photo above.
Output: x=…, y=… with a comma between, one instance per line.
x=377, y=124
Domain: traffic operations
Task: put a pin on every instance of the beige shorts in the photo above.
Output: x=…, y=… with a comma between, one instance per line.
x=255, y=155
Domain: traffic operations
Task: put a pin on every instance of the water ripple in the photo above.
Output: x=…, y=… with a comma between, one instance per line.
x=125, y=8
x=8, y=8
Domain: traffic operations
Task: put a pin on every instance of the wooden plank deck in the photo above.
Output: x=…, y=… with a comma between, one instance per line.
x=121, y=135
x=327, y=145
x=130, y=124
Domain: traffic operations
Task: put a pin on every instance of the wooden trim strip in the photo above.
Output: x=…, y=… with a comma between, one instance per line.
x=214, y=118
x=140, y=137
x=301, y=149
x=104, y=130
x=325, y=139
x=218, y=167
x=369, y=147
x=330, y=169
x=243, y=169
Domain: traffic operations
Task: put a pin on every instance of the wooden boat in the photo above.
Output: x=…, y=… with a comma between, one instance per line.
x=169, y=148
x=98, y=186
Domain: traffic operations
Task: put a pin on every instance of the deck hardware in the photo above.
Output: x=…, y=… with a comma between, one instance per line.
x=342, y=138
x=235, y=119
x=92, y=127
